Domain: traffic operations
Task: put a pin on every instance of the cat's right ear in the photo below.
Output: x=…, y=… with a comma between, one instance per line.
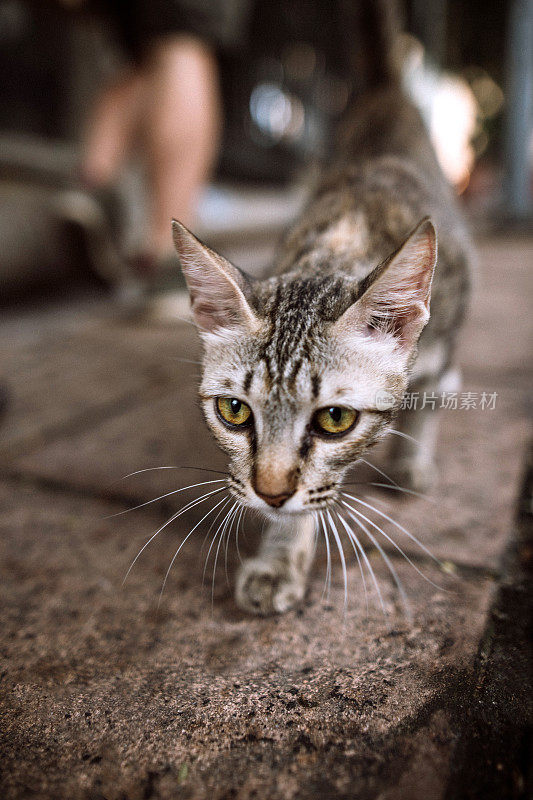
x=217, y=289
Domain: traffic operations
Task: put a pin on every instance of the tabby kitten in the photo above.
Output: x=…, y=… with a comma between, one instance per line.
x=304, y=371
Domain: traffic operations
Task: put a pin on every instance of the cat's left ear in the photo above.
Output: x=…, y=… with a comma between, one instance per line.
x=395, y=296
x=217, y=289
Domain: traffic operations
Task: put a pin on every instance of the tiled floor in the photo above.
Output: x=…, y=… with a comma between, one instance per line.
x=105, y=695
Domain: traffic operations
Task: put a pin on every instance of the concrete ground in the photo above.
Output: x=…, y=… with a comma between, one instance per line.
x=103, y=694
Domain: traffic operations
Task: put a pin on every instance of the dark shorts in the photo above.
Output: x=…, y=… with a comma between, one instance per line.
x=221, y=23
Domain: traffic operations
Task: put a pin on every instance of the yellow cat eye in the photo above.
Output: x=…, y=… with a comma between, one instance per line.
x=334, y=420
x=233, y=411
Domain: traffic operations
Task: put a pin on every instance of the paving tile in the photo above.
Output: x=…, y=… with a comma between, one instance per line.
x=105, y=695
x=67, y=380
x=499, y=335
x=163, y=431
x=467, y=517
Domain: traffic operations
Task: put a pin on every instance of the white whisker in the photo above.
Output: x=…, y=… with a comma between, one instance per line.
x=241, y=521
x=380, y=471
x=146, y=469
x=397, y=546
x=181, y=545
x=186, y=361
x=316, y=531
x=397, y=488
x=228, y=537
x=396, y=524
x=227, y=526
x=353, y=537
x=211, y=526
x=338, y=542
x=161, y=497
x=186, y=321
x=327, y=582
x=384, y=556
x=175, y=516
x=213, y=540
x=354, y=548
x=153, y=469
x=403, y=435
x=213, y=522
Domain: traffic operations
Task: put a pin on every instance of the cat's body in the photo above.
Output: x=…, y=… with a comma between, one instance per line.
x=385, y=182
x=295, y=365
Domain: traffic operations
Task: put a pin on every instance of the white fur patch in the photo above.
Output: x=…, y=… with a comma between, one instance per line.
x=349, y=234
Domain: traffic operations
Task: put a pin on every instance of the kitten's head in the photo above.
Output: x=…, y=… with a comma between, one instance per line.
x=302, y=375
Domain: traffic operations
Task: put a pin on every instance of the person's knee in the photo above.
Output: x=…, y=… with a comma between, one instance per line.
x=182, y=58
x=185, y=98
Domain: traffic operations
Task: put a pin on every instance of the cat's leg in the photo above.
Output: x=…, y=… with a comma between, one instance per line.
x=413, y=449
x=275, y=580
x=413, y=458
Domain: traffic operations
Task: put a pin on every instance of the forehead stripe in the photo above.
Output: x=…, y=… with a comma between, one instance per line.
x=294, y=373
x=247, y=381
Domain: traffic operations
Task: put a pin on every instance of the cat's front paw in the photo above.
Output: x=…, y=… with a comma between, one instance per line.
x=268, y=587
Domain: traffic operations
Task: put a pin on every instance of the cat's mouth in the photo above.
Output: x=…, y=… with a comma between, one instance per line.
x=300, y=501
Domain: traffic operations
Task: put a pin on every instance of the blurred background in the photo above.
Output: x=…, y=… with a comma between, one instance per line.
x=280, y=78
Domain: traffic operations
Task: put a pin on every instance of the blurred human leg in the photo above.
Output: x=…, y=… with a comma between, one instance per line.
x=169, y=106
x=182, y=123
x=111, y=129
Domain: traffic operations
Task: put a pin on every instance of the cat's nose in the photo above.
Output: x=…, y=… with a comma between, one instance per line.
x=275, y=500
x=273, y=482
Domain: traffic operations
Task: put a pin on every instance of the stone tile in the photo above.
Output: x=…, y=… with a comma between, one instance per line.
x=466, y=519
x=65, y=382
x=499, y=334
x=104, y=694
x=163, y=431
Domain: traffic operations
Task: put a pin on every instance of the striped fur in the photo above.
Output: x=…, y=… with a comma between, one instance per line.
x=338, y=323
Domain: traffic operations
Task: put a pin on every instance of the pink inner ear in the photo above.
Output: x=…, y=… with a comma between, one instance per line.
x=210, y=315
x=397, y=302
x=216, y=310
x=373, y=327
x=215, y=285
